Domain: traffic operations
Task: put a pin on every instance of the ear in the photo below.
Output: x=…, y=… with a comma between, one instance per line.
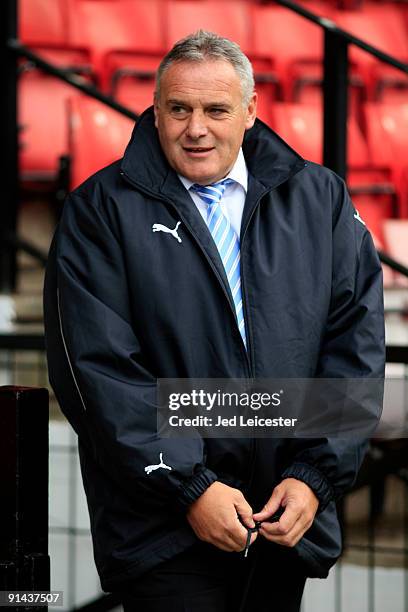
x=251, y=111
x=156, y=110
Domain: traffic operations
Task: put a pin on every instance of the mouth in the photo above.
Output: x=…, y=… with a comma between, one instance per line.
x=198, y=151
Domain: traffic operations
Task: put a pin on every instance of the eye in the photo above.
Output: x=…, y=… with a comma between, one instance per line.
x=217, y=112
x=178, y=110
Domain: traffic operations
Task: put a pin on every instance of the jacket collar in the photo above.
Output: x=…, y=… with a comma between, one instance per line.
x=269, y=159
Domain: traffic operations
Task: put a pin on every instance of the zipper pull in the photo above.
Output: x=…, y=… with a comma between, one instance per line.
x=251, y=530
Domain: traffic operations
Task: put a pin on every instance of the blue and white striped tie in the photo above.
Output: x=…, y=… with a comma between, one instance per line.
x=226, y=240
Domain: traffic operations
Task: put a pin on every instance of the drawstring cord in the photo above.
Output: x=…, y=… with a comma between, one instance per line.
x=273, y=519
x=250, y=530
x=248, y=583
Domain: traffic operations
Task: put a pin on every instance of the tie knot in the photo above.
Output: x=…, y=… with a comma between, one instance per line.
x=211, y=194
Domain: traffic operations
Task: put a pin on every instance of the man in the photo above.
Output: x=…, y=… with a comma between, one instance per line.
x=141, y=285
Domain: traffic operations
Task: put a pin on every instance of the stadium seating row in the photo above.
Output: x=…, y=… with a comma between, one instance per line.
x=127, y=37
x=118, y=43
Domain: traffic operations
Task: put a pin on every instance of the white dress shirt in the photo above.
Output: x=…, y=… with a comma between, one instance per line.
x=233, y=200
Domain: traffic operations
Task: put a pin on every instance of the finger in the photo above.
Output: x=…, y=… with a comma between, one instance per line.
x=224, y=541
x=239, y=536
x=245, y=512
x=289, y=539
x=233, y=534
x=226, y=546
x=289, y=518
x=286, y=522
x=270, y=507
x=254, y=535
x=229, y=543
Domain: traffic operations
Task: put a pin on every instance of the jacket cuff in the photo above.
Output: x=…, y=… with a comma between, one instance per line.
x=192, y=489
x=315, y=479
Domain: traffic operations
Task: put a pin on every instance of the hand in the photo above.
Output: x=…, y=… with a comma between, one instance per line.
x=213, y=517
x=300, y=505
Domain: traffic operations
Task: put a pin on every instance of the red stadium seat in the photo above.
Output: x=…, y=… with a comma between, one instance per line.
x=387, y=133
x=230, y=19
x=388, y=273
x=46, y=27
x=134, y=81
x=98, y=136
x=295, y=45
x=43, y=23
x=396, y=245
x=302, y=126
x=42, y=103
x=266, y=86
x=387, y=137
x=382, y=26
x=372, y=193
x=39, y=153
x=109, y=27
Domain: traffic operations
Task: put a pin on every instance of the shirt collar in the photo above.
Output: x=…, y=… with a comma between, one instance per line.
x=239, y=173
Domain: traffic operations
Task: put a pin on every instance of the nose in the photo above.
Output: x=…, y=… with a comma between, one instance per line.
x=196, y=127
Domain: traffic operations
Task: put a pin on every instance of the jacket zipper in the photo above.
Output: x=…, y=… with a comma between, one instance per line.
x=244, y=295
x=251, y=360
x=168, y=201
x=253, y=449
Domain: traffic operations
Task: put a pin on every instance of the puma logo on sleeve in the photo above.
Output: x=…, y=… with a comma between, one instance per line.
x=151, y=468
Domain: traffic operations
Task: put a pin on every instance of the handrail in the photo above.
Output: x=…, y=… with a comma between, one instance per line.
x=69, y=77
x=392, y=263
x=17, y=243
x=330, y=26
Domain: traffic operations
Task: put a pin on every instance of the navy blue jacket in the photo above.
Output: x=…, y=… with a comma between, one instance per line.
x=125, y=306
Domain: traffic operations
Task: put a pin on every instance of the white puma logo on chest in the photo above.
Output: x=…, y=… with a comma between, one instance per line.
x=158, y=227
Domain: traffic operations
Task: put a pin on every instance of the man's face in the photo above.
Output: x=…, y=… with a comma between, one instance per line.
x=201, y=118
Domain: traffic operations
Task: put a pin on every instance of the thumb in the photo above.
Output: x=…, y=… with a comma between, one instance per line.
x=245, y=512
x=270, y=507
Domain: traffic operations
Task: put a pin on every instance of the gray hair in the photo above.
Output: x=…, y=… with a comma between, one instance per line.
x=203, y=45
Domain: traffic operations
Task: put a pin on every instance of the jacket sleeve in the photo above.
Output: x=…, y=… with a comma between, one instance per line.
x=96, y=364
x=353, y=346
